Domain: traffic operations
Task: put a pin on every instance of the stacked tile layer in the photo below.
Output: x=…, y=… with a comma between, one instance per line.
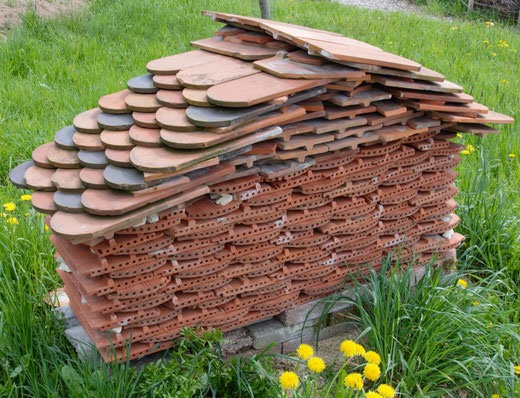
x=269, y=167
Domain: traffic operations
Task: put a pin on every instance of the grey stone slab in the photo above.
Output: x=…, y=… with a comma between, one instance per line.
x=449, y=261
x=67, y=316
x=63, y=138
x=236, y=341
x=311, y=311
x=80, y=340
x=266, y=332
x=115, y=122
x=16, y=176
x=69, y=202
x=142, y=84
x=334, y=330
x=93, y=159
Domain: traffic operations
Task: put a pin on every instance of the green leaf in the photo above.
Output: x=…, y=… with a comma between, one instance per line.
x=15, y=372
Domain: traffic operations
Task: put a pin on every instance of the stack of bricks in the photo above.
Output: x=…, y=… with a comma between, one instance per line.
x=267, y=169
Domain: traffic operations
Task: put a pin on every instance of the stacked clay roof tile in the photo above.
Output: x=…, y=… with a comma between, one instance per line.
x=262, y=170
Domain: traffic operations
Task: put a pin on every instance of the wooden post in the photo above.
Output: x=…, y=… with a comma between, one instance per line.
x=471, y=4
x=264, y=9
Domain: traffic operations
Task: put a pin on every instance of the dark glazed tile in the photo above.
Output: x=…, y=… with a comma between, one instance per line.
x=114, y=122
x=68, y=202
x=16, y=176
x=142, y=84
x=93, y=159
x=63, y=138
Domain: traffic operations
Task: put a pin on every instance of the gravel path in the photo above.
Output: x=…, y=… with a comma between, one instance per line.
x=385, y=5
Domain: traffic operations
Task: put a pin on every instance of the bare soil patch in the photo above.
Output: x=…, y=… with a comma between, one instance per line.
x=385, y=5
x=11, y=11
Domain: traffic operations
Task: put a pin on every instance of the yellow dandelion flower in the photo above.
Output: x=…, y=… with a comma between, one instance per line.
x=373, y=357
x=505, y=81
x=46, y=227
x=471, y=148
x=494, y=54
x=490, y=324
x=475, y=303
x=25, y=197
x=372, y=371
x=495, y=396
x=390, y=42
x=316, y=365
x=12, y=220
x=372, y=394
x=386, y=391
x=352, y=349
x=459, y=135
x=454, y=27
x=348, y=347
x=354, y=380
x=305, y=351
x=9, y=206
x=511, y=155
x=486, y=42
x=462, y=283
x=517, y=370
x=289, y=380
x=464, y=152
x=360, y=350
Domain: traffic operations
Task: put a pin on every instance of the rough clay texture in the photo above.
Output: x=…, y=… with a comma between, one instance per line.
x=254, y=338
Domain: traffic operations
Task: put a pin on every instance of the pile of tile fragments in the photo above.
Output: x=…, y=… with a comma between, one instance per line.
x=262, y=170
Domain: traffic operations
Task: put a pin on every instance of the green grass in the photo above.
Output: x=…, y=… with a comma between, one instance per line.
x=52, y=70
x=437, y=338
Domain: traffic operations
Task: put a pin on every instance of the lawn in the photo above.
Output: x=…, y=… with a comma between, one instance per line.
x=52, y=70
